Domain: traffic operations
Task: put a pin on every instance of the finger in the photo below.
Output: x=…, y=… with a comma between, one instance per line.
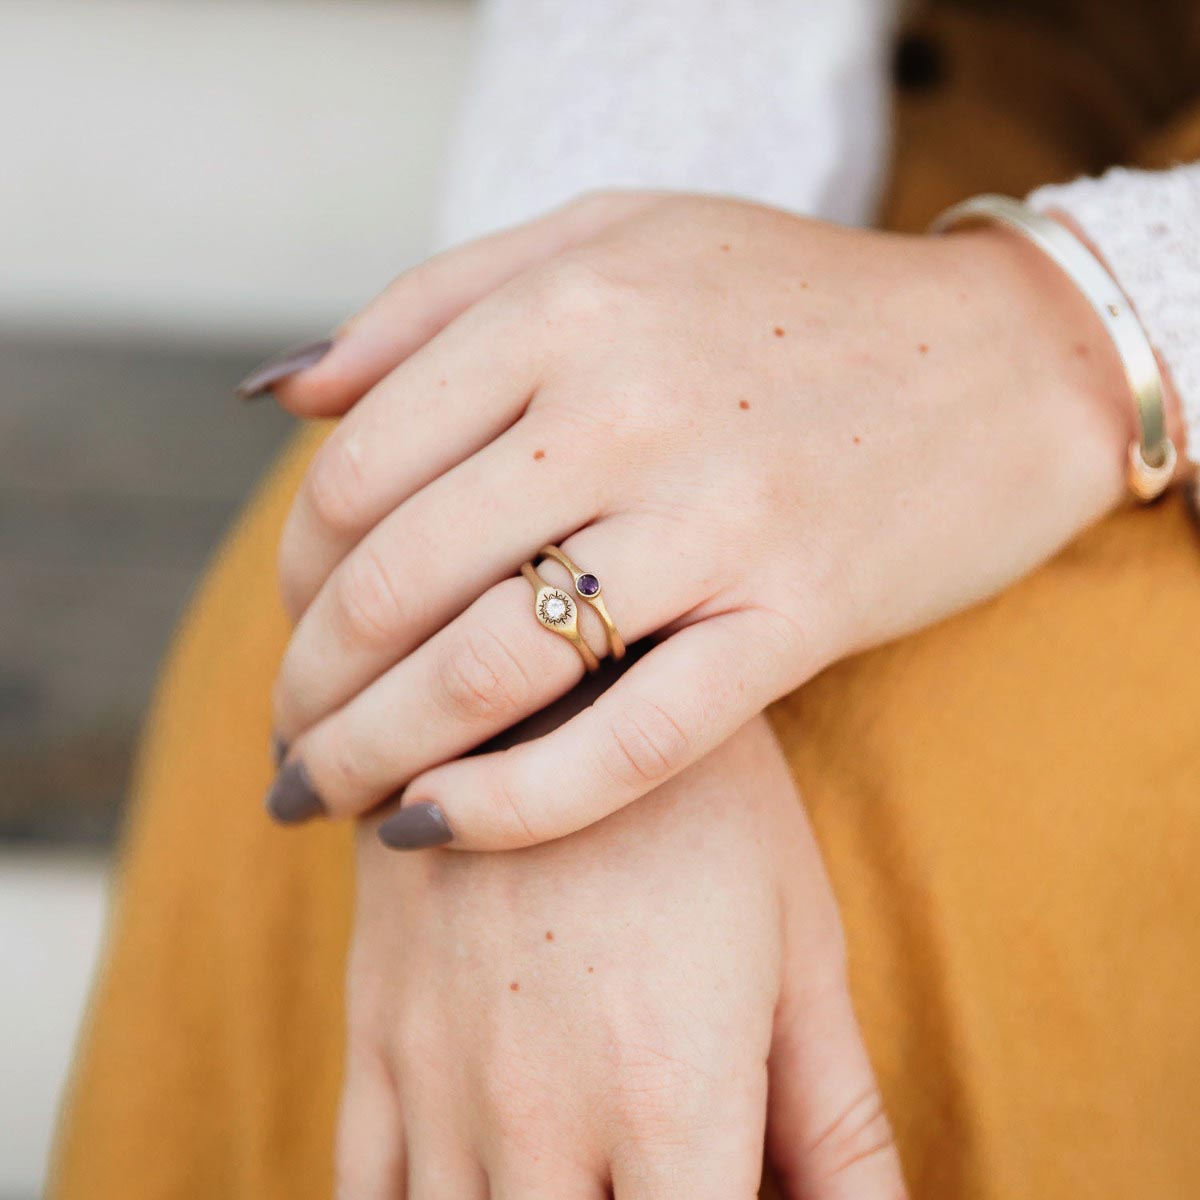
x=828, y=1135
x=680, y=701
x=436, y=1174
x=718, y=1158
x=426, y=561
x=486, y=670
x=697, y=1181
x=441, y=1161
x=543, y=1181
x=447, y=402
x=369, y=1163
x=423, y=300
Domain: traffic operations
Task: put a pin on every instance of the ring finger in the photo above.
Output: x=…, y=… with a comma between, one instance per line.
x=423, y=564
x=486, y=670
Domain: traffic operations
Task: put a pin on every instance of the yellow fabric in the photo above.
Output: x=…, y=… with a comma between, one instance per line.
x=213, y=1057
x=1009, y=804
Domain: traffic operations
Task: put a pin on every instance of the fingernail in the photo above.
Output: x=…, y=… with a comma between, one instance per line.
x=279, y=749
x=416, y=827
x=292, y=797
x=287, y=362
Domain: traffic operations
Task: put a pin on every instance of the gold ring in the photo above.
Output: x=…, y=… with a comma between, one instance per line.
x=559, y=613
x=587, y=588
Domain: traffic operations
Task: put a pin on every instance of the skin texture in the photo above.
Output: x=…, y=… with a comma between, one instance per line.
x=615, y=1012
x=776, y=440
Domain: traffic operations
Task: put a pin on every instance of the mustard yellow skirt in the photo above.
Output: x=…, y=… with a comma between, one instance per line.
x=1009, y=805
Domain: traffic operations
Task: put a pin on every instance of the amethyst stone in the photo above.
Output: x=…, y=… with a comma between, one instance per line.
x=587, y=585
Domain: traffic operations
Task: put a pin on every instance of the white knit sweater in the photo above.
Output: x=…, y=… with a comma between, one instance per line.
x=781, y=101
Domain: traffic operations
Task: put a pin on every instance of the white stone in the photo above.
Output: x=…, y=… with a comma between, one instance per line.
x=556, y=608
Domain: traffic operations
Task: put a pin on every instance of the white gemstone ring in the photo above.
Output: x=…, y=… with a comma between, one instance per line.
x=555, y=610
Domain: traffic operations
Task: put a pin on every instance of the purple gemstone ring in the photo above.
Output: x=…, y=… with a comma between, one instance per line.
x=587, y=585
x=587, y=588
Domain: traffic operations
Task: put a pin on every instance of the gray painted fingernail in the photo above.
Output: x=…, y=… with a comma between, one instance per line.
x=416, y=827
x=292, y=797
x=287, y=362
x=279, y=749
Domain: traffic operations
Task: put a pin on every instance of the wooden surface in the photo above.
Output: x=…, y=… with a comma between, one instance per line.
x=120, y=465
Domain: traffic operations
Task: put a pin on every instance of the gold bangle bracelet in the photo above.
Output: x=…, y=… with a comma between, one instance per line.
x=555, y=610
x=1152, y=454
x=587, y=588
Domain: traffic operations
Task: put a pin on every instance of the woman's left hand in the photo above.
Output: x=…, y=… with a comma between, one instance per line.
x=774, y=441
x=636, y=1011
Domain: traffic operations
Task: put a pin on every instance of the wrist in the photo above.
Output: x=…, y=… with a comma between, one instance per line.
x=1083, y=418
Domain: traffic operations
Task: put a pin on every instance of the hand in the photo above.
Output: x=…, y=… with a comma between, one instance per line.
x=776, y=441
x=619, y=1009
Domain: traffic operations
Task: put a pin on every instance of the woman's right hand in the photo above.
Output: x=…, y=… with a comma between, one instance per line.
x=627, y=1012
x=777, y=442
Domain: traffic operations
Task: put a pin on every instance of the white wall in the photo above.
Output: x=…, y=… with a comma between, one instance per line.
x=244, y=170
x=51, y=914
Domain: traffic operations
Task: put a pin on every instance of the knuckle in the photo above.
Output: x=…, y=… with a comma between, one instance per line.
x=415, y=1053
x=504, y=812
x=335, y=485
x=577, y=286
x=595, y=202
x=286, y=711
x=348, y=772
x=860, y=1132
x=660, y=1095
x=293, y=594
x=645, y=745
x=478, y=678
x=512, y=1085
x=370, y=607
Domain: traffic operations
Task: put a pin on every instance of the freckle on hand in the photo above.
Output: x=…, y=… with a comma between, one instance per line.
x=538, y=455
x=743, y=405
x=726, y=246
x=922, y=349
x=857, y=440
x=779, y=331
x=591, y=970
x=514, y=986
x=1081, y=350
x=549, y=935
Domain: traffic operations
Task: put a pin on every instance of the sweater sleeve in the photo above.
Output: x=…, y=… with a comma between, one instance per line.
x=1146, y=224
x=780, y=101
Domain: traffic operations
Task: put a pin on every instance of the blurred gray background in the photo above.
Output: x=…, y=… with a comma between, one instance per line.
x=184, y=187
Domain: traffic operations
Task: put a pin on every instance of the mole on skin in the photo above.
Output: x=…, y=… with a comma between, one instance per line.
x=779, y=331
x=922, y=349
x=549, y=935
x=743, y=405
x=514, y=986
x=538, y=455
x=726, y=246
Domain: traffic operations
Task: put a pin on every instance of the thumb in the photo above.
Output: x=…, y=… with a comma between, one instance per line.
x=828, y=1137
x=326, y=378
